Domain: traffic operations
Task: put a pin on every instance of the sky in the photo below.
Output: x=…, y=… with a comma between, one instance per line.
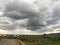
x=30, y=17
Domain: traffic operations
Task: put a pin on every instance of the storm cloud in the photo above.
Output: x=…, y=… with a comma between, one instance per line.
x=29, y=14
x=18, y=10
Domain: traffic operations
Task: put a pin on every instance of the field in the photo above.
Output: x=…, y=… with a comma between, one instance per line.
x=37, y=39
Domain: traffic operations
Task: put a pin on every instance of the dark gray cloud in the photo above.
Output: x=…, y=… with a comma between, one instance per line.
x=17, y=11
x=55, y=16
x=21, y=11
x=34, y=23
x=33, y=16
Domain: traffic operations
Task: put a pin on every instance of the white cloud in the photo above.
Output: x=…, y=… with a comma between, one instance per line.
x=57, y=30
x=19, y=31
x=1, y=13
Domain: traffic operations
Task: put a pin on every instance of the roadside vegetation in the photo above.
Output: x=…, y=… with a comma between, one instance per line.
x=41, y=41
x=36, y=39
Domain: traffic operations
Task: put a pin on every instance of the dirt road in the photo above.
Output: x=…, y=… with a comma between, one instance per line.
x=11, y=42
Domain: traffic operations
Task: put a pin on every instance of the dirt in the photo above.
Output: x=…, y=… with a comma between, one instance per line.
x=11, y=42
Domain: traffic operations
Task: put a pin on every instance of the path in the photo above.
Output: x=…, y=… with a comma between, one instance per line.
x=11, y=42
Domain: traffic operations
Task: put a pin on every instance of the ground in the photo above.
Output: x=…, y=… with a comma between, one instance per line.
x=10, y=42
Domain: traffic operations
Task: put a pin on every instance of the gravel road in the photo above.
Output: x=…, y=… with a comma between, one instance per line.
x=11, y=42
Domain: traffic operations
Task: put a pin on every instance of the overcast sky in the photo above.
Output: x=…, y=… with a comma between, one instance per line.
x=29, y=16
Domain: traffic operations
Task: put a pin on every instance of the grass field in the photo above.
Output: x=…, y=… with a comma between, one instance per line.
x=37, y=39
x=40, y=40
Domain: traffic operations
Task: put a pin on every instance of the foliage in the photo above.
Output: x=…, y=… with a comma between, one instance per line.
x=36, y=39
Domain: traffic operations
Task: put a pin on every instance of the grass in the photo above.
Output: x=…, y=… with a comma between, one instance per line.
x=39, y=40
x=50, y=42
x=29, y=43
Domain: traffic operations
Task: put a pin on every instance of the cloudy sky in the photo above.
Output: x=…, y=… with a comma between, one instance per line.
x=29, y=16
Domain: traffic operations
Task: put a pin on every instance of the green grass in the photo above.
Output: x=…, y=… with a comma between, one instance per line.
x=39, y=40
x=49, y=42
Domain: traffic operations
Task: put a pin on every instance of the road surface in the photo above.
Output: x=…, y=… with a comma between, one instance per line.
x=11, y=42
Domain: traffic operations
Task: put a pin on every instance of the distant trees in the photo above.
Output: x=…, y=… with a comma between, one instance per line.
x=44, y=35
x=0, y=37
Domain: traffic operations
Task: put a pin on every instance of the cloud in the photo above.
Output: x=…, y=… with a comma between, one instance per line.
x=53, y=23
x=55, y=15
x=19, y=31
x=17, y=11
x=25, y=15
x=31, y=15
